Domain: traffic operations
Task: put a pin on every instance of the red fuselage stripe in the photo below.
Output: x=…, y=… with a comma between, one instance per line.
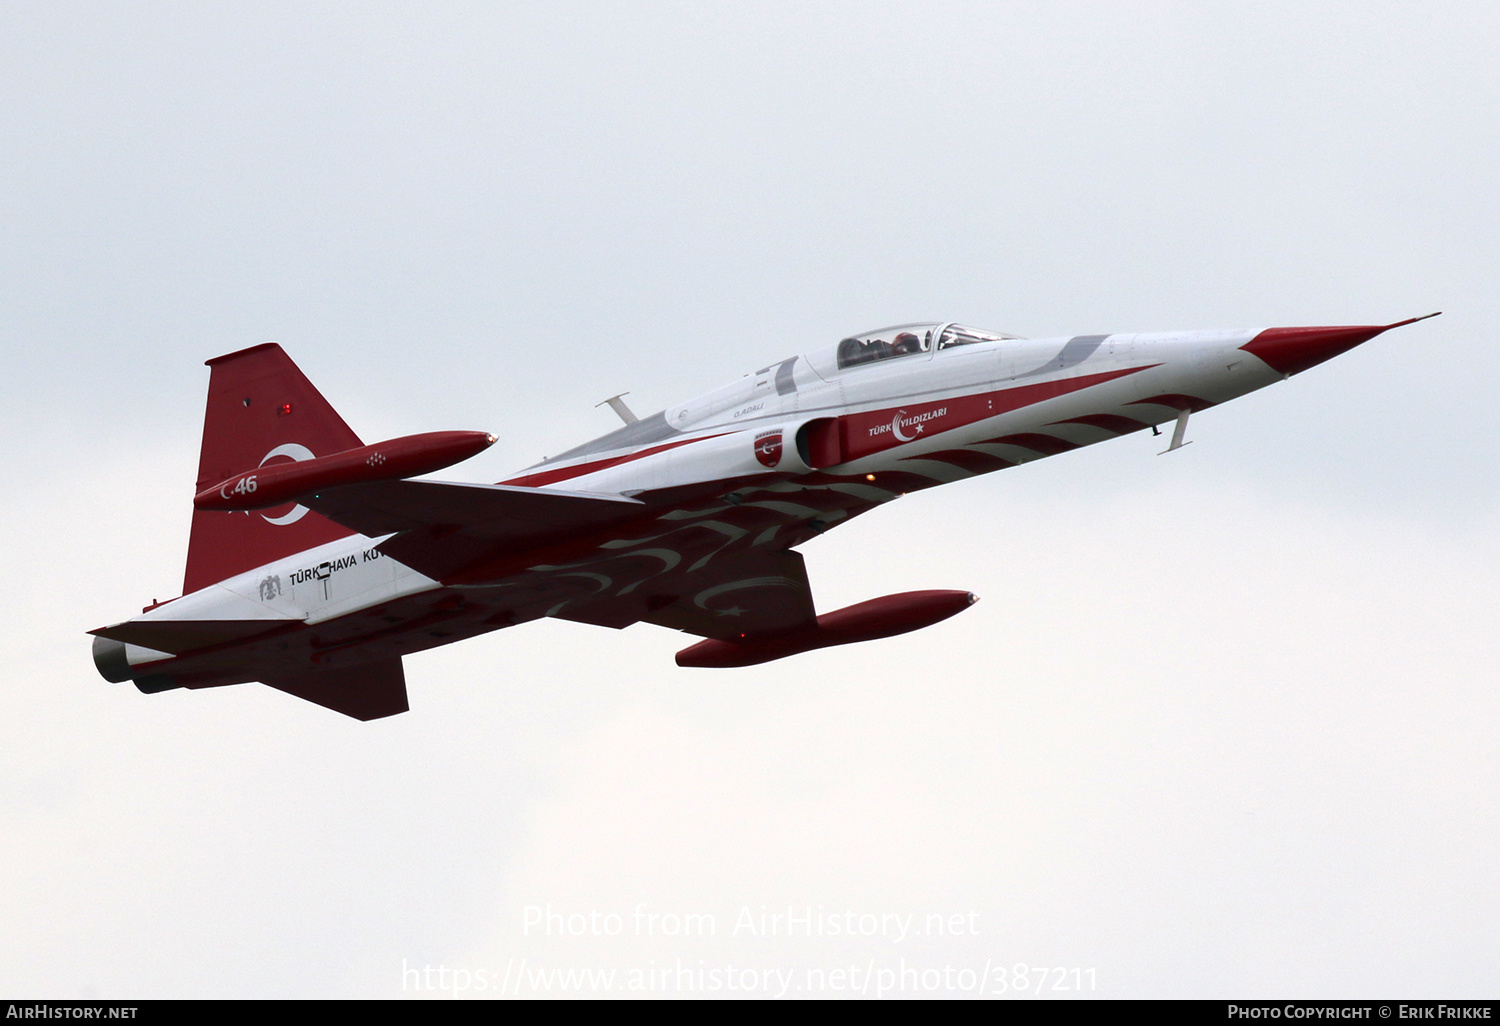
x=546, y=477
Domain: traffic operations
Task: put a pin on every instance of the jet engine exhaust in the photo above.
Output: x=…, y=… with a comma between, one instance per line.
x=113, y=665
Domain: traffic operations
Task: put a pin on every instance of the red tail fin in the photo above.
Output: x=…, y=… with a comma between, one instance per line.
x=261, y=409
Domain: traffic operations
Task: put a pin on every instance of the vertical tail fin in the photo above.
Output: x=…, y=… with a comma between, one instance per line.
x=261, y=409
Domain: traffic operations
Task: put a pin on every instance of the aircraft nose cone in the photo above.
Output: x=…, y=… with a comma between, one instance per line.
x=1293, y=350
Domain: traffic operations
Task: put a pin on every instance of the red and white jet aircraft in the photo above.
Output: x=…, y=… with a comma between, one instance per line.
x=315, y=564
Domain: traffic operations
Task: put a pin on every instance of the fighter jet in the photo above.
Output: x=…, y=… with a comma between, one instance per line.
x=316, y=562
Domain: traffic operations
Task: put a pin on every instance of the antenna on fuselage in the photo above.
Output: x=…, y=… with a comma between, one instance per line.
x=617, y=403
x=1177, y=433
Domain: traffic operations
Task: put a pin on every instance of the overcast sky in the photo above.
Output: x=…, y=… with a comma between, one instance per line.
x=1223, y=724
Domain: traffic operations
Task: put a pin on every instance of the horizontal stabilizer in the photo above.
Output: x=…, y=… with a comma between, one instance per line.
x=366, y=692
x=177, y=636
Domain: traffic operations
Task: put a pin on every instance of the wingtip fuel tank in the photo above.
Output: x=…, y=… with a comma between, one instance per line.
x=279, y=483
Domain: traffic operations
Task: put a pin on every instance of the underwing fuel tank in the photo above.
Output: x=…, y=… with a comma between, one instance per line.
x=280, y=483
x=883, y=617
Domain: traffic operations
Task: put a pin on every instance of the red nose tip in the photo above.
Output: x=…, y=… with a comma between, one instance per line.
x=1293, y=350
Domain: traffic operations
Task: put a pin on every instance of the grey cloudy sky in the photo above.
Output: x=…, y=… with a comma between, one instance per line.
x=1223, y=724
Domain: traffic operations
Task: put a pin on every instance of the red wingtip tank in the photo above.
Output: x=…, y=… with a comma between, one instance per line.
x=280, y=483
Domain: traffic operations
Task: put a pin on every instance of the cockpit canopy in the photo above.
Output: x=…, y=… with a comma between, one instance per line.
x=908, y=340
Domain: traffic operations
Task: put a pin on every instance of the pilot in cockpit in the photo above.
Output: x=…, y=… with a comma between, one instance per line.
x=905, y=344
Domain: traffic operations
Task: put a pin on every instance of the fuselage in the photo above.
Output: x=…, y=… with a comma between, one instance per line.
x=1001, y=400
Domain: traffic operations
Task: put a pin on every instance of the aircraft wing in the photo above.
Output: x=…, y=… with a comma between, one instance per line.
x=709, y=567
x=442, y=528
x=750, y=596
